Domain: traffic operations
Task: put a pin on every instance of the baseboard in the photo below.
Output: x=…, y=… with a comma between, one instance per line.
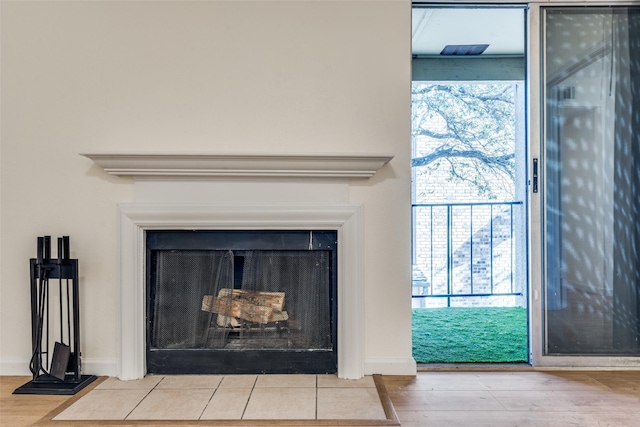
x=101, y=367
x=109, y=367
x=402, y=366
x=17, y=367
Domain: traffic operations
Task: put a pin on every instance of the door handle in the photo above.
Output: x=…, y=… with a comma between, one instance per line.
x=535, y=175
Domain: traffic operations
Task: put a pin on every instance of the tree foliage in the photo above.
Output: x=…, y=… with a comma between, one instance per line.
x=467, y=130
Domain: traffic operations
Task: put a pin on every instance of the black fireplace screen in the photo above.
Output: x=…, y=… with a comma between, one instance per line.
x=241, y=302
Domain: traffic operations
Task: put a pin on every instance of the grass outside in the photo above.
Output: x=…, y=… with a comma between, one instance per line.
x=470, y=335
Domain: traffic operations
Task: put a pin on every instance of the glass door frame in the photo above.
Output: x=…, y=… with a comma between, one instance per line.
x=523, y=138
x=537, y=261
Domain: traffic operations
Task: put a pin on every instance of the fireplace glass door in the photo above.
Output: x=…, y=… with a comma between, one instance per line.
x=241, y=302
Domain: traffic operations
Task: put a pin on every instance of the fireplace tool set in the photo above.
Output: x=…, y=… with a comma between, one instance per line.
x=54, y=294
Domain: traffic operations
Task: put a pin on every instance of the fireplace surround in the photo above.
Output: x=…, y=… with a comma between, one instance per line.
x=240, y=192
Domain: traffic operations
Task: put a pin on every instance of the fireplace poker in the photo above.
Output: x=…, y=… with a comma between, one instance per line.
x=39, y=303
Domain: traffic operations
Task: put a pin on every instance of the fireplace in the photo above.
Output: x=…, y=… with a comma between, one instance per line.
x=238, y=301
x=236, y=192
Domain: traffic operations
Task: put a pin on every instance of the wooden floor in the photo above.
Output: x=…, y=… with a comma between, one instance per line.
x=451, y=398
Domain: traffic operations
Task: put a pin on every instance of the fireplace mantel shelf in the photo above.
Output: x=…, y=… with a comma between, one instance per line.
x=240, y=165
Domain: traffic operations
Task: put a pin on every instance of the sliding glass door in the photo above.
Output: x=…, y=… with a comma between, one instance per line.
x=591, y=181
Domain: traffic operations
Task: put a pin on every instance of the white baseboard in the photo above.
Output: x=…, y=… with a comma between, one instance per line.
x=16, y=367
x=108, y=367
x=404, y=366
x=101, y=367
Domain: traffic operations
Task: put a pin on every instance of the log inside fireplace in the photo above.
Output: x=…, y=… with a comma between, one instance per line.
x=239, y=301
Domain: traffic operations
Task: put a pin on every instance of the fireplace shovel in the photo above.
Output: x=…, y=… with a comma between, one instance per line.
x=60, y=360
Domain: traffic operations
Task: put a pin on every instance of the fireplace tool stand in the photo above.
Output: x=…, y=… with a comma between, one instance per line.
x=54, y=294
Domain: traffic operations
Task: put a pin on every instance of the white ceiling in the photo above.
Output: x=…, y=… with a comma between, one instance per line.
x=502, y=29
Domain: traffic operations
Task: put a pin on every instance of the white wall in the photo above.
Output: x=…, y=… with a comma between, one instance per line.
x=264, y=76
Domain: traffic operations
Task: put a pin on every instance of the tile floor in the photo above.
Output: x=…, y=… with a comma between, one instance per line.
x=229, y=397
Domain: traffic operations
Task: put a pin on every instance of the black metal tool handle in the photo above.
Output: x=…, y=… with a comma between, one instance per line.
x=40, y=253
x=47, y=248
x=65, y=248
x=60, y=251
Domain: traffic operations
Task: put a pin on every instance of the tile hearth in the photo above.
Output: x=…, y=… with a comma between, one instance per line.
x=229, y=397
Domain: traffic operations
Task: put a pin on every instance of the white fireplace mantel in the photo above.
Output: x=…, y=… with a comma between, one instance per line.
x=315, y=165
x=181, y=191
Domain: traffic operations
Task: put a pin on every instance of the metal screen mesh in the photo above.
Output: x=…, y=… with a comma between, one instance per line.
x=181, y=279
x=191, y=287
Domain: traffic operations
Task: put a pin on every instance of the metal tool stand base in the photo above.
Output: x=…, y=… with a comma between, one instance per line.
x=55, y=318
x=45, y=384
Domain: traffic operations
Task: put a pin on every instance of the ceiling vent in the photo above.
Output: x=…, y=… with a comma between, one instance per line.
x=464, y=49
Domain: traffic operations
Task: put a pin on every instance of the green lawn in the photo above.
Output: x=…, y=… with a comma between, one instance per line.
x=470, y=334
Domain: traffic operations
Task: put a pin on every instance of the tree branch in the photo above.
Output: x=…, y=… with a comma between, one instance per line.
x=502, y=162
